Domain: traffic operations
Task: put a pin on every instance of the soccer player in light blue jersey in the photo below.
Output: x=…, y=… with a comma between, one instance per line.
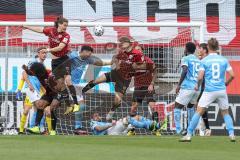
x=79, y=63
x=122, y=126
x=186, y=95
x=213, y=68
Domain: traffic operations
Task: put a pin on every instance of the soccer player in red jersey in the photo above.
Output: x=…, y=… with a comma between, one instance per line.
x=58, y=40
x=144, y=84
x=125, y=64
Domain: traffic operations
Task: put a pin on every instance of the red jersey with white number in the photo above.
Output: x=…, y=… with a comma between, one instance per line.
x=127, y=59
x=55, y=38
x=144, y=77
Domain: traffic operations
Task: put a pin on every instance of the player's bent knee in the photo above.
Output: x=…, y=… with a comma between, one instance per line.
x=54, y=104
x=40, y=104
x=224, y=112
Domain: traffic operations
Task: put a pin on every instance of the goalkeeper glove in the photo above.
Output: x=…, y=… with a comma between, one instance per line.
x=19, y=95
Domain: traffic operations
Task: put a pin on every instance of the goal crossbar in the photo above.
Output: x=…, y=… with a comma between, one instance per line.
x=198, y=24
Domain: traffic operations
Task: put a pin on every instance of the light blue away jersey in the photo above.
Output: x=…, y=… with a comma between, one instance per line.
x=193, y=64
x=93, y=124
x=215, y=67
x=78, y=65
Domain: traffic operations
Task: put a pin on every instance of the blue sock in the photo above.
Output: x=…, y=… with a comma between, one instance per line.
x=142, y=123
x=32, y=120
x=229, y=124
x=78, y=117
x=177, y=119
x=193, y=123
x=190, y=113
x=42, y=123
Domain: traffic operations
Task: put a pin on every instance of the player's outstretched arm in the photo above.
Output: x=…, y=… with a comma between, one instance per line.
x=102, y=63
x=34, y=29
x=231, y=77
x=56, y=49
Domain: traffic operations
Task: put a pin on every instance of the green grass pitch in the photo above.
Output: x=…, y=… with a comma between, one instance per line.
x=116, y=148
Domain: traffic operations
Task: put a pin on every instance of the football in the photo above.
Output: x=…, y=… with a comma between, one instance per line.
x=98, y=30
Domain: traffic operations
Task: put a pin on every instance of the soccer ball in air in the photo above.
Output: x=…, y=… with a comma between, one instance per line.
x=98, y=30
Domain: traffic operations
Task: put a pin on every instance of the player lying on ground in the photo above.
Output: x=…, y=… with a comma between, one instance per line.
x=34, y=88
x=123, y=126
x=124, y=62
x=78, y=65
x=144, y=85
x=186, y=95
x=213, y=69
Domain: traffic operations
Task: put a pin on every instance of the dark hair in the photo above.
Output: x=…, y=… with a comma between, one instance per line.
x=213, y=44
x=37, y=69
x=60, y=20
x=40, y=48
x=86, y=48
x=190, y=47
x=141, y=46
x=204, y=46
x=124, y=39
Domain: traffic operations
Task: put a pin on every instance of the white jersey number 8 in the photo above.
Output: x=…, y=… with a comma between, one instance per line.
x=215, y=71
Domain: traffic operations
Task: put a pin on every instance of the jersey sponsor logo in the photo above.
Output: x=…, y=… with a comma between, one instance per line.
x=55, y=40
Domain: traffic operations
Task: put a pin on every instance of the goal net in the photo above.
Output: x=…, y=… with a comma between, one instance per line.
x=165, y=47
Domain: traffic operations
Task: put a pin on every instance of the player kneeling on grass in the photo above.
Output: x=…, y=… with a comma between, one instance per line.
x=34, y=91
x=124, y=126
x=213, y=68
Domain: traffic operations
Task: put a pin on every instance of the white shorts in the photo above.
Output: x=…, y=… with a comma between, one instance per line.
x=187, y=96
x=33, y=96
x=219, y=97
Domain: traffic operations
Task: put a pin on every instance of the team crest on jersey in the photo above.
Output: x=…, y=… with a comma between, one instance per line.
x=65, y=40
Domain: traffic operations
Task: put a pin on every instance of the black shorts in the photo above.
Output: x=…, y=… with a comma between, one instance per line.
x=142, y=92
x=121, y=84
x=49, y=96
x=200, y=95
x=59, y=66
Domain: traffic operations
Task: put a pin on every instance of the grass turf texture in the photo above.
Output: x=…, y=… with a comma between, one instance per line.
x=116, y=148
